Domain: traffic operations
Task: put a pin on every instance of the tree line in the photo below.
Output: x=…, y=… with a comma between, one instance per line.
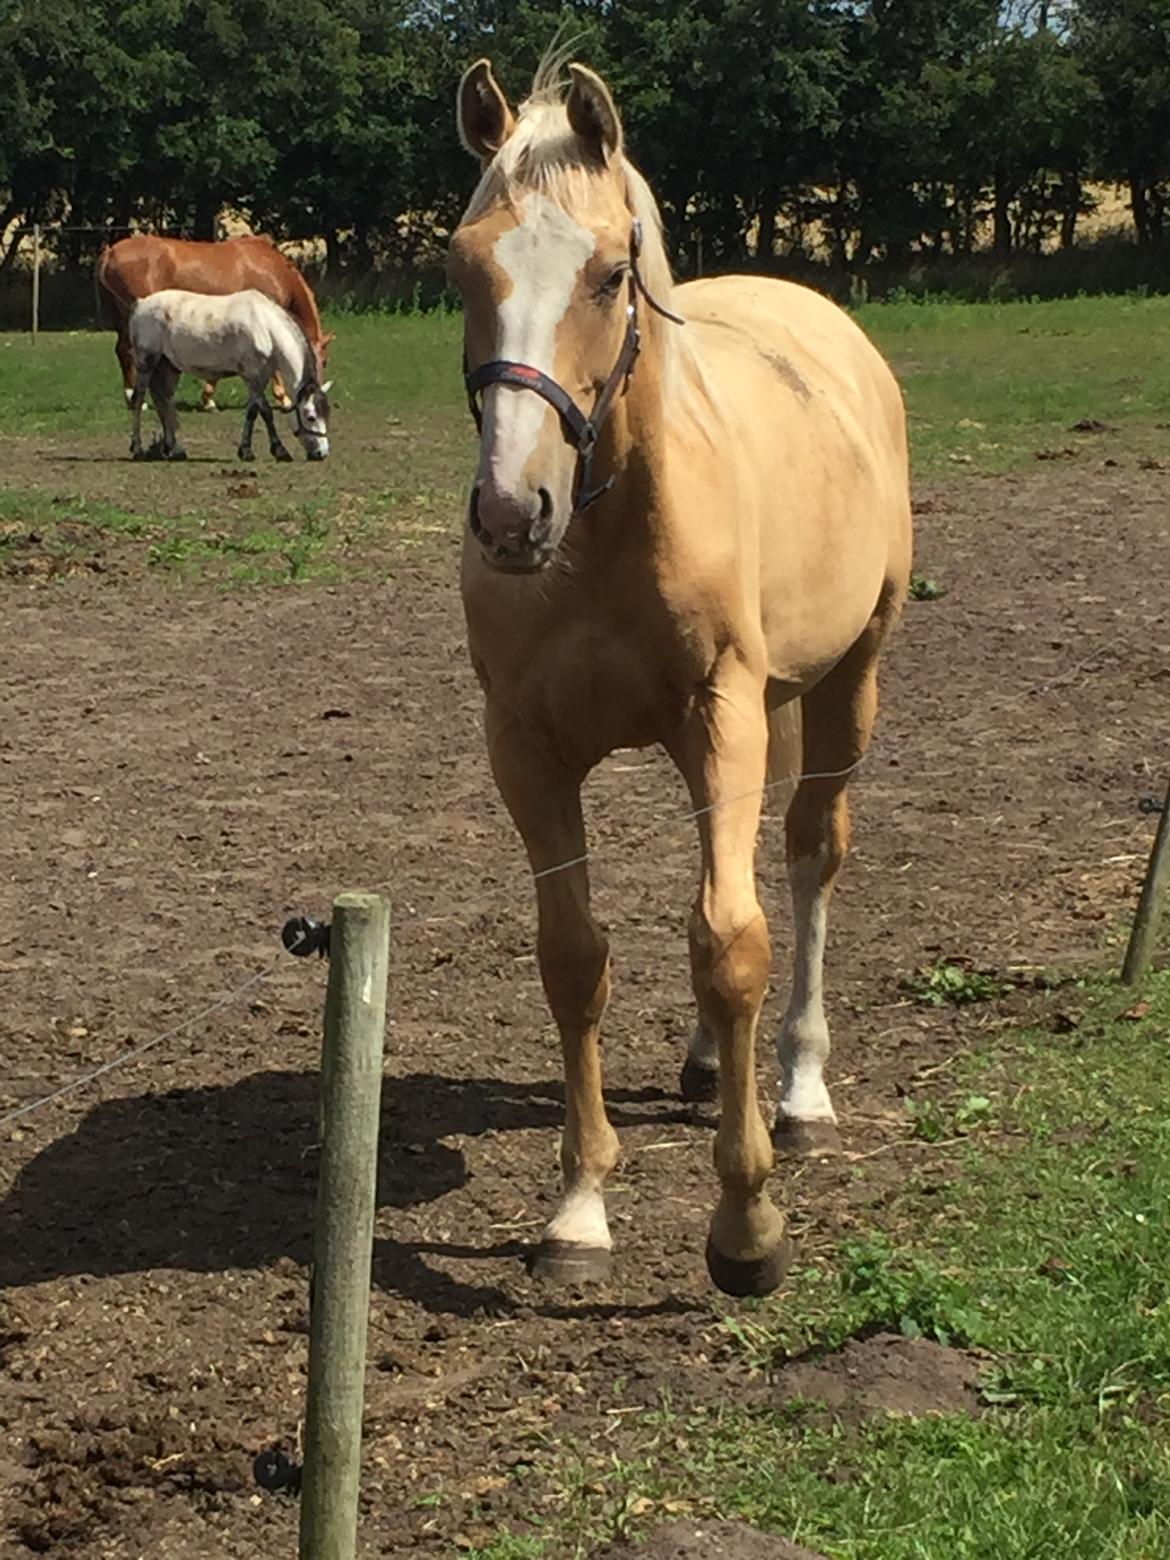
x=862, y=130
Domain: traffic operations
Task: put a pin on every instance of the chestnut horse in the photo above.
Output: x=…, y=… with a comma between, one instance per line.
x=676, y=532
x=135, y=267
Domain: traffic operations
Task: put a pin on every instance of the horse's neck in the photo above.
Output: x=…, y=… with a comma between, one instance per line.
x=294, y=356
x=302, y=305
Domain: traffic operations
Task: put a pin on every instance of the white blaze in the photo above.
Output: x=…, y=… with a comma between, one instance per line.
x=542, y=256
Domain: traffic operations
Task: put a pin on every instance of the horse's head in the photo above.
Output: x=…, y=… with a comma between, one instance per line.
x=546, y=261
x=310, y=418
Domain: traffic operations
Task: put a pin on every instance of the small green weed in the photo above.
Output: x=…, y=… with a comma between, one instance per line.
x=923, y=588
x=910, y=1293
x=945, y=982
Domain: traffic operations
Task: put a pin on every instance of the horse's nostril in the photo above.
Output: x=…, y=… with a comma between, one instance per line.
x=473, y=519
x=546, y=504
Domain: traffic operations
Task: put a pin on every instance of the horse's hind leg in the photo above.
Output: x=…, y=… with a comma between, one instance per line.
x=207, y=396
x=144, y=369
x=837, y=717
x=163, y=384
x=722, y=754
x=283, y=399
x=544, y=800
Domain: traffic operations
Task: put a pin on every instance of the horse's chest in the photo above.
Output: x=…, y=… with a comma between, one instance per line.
x=591, y=687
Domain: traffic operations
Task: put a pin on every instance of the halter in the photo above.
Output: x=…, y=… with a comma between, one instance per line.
x=580, y=431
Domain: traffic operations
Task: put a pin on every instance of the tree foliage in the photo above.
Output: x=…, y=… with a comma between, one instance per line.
x=877, y=128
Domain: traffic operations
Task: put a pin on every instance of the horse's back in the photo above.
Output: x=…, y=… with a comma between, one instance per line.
x=147, y=263
x=209, y=332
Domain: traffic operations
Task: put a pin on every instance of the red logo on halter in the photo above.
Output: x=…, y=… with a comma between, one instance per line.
x=522, y=371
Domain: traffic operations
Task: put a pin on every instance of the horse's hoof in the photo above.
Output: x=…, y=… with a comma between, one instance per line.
x=568, y=1263
x=697, y=1084
x=760, y=1276
x=137, y=454
x=178, y=453
x=805, y=1139
x=208, y=406
x=243, y=454
x=280, y=453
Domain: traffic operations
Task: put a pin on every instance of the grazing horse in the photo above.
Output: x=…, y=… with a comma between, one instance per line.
x=174, y=332
x=135, y=267
x=675, y=531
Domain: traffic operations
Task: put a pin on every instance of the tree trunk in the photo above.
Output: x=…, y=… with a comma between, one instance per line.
x=1071, y=188
x=766, y=239
x=1002, y=239
x=1140, y=207
x=332, y=252
x=206, y=211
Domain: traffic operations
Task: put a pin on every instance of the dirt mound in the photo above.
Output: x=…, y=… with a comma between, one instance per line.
x=710, y=1541
x=886, y=1374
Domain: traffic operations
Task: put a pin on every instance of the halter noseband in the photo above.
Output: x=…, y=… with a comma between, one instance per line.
x=582, y=432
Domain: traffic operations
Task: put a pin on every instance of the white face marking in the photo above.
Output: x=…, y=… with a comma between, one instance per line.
x=542, y=257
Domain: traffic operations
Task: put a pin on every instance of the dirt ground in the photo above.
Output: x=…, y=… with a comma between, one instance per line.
x=180, y=770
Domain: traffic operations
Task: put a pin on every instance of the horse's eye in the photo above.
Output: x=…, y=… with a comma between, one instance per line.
x=612, y=284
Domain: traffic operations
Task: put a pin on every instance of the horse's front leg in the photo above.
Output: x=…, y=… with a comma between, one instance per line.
x=283, y=399
x=722, y=754
x=545, y=802
x=244, y=450
x=279, y=451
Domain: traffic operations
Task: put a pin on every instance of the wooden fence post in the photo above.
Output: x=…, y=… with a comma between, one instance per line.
x=1149, y=909
x=351, y=1092
x=36, y=281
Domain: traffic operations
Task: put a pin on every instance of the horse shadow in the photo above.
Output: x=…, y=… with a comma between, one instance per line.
x=211, y=1179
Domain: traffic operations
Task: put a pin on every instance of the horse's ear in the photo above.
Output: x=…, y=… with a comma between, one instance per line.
x=329, y=336
x=592, y=113
x=481, y=110
x=326, y=387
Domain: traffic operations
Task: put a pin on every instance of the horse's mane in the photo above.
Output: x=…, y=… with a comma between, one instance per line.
x=544, y=153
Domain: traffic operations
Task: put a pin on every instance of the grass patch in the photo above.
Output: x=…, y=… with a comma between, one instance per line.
x=990, y=385
x=1041, y=1239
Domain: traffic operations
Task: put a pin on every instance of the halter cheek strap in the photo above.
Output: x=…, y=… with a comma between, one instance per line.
x=582, y=432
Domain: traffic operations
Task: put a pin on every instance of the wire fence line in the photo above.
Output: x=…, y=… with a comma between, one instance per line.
x=508, y=892
x=504, y=892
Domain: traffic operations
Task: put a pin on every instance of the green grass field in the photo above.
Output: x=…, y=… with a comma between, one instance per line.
x=988, y=386
x=1038, y=1236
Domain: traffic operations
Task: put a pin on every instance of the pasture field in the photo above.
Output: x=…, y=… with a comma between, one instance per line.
x=971, y=1360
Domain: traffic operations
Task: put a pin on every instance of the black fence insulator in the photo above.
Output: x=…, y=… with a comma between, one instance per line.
x=1150, y=805
x=275, y=1470
x=302, y=935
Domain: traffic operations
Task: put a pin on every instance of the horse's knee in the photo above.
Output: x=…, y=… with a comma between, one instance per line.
x=574, y=966
x=730, y=959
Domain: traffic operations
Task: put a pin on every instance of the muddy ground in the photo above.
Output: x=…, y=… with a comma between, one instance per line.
x=180, y=768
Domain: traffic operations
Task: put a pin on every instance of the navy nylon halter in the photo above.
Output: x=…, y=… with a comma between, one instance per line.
x=580, y=431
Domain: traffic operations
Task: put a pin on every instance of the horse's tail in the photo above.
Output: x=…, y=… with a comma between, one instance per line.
x=113, y=305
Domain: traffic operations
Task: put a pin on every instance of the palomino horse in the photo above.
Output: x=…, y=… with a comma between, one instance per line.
x=174, y=332
x=675, y=530
x=135, y=267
